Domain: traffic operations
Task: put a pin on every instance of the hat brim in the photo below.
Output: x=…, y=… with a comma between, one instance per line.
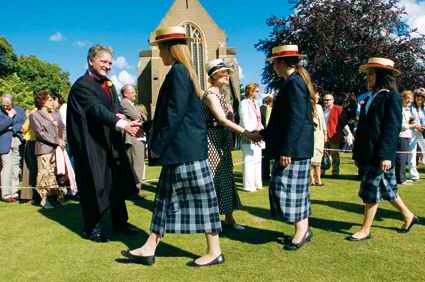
x=364, y=68
x=221, y=69
x=156, y=42
x=284, y=56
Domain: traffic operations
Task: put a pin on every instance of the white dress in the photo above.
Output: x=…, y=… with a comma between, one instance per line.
x=250, y=119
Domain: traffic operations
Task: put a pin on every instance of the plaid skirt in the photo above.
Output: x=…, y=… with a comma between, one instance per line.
x=378, y=185
x=289, y=191
x=186, y=201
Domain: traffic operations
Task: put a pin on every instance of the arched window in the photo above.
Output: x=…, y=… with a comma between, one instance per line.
x=197, y=50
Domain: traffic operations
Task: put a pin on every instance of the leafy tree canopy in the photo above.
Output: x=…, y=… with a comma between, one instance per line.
x=338, y=36
x=24, y=75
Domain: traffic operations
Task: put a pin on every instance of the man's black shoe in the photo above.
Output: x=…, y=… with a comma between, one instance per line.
x=96, y=235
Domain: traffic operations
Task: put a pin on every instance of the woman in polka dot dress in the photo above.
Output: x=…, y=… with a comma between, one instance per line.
x=219, y=154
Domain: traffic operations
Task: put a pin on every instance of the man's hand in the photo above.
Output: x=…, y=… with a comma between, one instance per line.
x=133, y=128
x=11, y=113
x=284, y=161
x=386, y=165
x=120, y=116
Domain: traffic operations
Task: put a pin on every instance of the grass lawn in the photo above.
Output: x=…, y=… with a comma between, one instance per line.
x=46, y=246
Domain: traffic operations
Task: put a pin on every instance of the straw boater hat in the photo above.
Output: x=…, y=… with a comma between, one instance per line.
x=380, y=63
x=217, y=65
x=285, y=51
x=170, y=33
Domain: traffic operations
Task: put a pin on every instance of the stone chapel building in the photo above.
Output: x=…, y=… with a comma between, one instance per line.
x=210, y=42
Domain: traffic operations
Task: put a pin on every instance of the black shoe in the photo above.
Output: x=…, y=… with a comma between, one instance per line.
x=293, y=247
x=284, y=239
x=354, y=239
x=148, y=260
x=127, y=229
x=96, y=235
x=217, y=260
x=414, y=221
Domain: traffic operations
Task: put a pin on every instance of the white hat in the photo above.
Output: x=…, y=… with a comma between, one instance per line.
x=170, y=33
x=217, y=65
x=380, y=63
x=285, y=51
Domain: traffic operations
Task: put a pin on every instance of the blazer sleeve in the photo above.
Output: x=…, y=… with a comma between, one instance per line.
x=5, y=122
x=296, y=115
x=85, y=98
x=180, y=89
x=40, y=132
x=391, y=127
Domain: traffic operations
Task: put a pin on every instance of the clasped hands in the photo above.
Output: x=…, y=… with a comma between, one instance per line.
x=253, y=136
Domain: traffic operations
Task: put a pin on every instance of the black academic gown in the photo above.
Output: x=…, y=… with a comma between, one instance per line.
x=99, y=152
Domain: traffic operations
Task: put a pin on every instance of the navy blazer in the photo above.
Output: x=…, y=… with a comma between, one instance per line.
x=179, y=132
x=378, y=130
x=290, y=131
x=10, y=127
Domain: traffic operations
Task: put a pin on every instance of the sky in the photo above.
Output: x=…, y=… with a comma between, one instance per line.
x=61, y=32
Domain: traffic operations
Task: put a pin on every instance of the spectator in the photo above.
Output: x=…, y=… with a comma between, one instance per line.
x=49, y=130
x=418, y=112
x=250, y=119
x=29, y=171
x=11, y=120
x=407, y=124
x=135, y=145
x=266, y=110
x=320, y=136
x=335, y=122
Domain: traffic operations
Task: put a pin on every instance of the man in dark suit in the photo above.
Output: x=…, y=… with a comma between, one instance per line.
x=95, y=126
x=11, y=120
x=135, y=144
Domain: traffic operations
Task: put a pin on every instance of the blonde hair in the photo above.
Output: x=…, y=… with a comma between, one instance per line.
x=250, y=88
x=407, y=93
x=180, y=52
x=294, y=63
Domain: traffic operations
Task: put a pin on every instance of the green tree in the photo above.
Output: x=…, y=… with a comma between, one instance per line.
x=21, y=91
x=338, y=36
x=41, y=75
x=7, y=58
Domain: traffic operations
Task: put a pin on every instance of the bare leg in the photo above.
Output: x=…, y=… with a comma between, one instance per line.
x=407, y=214
x=312, y=176
x=301, y=227
x=149, y=248
x=214, y=249
x=369, y=215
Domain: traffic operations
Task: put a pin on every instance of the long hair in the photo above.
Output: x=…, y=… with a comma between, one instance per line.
x=385, y=79
x=303, y=73
x=419, y=92
x=250, y=88
x=180, y=51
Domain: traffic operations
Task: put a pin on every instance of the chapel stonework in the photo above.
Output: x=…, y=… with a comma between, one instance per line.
x=210, y=42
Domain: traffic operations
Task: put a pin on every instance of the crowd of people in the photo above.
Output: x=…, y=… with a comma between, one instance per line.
x=95, y=145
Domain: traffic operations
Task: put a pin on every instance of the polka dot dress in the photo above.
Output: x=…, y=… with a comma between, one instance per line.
x=220, y=159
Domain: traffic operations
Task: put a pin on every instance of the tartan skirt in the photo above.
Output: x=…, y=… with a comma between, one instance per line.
x=378, y=185
x=186, y=201
x=289, y=191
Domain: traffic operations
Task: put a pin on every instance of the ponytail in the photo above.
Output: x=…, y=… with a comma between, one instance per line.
x=309, y=84
x=181, y=53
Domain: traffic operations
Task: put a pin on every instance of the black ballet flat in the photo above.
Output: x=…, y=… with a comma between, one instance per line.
x=217, y=260
x=414, y=221
x=293, y=247
x=354, y=239
x=145, y=260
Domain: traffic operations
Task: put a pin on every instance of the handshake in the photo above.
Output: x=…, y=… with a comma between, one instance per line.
x=252, y=136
